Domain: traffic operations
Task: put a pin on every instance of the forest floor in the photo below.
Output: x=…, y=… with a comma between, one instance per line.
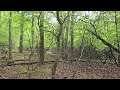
x=83, y=70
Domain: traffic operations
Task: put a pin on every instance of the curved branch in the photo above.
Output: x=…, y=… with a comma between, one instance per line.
x=65, y=18
x=58, y=17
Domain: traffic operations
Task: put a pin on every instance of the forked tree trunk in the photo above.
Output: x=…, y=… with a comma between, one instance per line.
x=58, y=45
x=58, y=53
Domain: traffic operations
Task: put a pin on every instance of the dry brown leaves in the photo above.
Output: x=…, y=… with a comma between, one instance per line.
x=83, y=70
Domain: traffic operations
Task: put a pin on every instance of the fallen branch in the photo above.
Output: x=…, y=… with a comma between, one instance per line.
x=104, y=42
x=27, y=63
x=107, y=44
x=21, y=60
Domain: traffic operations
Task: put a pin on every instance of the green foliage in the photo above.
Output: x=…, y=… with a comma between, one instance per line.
x=105, y=27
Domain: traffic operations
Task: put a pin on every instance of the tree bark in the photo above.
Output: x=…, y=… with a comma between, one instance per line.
x=32, y=31
x=10, y=38
x=58, y=45
x=72, y=33
x=66, y=36
x=21, y=33
x=117, y=35
x=41, y=27
x=63, y=40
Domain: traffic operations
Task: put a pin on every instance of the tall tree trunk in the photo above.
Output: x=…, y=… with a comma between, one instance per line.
x=32, y=31
x=21, y=32
x=41, y=27
x=66, y=36
x=62, y=40
x=58, y=45
x=10, y=39
x=71, y=33
x=117, y=35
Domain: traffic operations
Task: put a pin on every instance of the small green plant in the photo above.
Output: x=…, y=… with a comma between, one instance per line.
x=26, y=71
x=43, y=71
x=10, y=61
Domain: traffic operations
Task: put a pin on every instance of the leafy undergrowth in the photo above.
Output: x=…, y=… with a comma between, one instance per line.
x=83, y=70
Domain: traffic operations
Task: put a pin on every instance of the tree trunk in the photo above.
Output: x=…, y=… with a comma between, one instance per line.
x=32, y=31
x=62, y=40
x=21, y=32
x=10, y=39
x=41, y=27
x=71, y=33
x=58, y=45
x=117, y=36
x=66, y=36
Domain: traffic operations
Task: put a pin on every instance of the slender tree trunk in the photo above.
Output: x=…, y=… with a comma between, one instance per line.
x=117, y=36
x=117, y=33
x=62, y=40
x=10, y=39
x=58, y=45
x=21, y=32
x=58, y=37
x=32, y=31
x=71, y=33
x=66, y=36
x=42, y=38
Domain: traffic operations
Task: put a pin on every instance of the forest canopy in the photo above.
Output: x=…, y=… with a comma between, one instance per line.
x=104, y=22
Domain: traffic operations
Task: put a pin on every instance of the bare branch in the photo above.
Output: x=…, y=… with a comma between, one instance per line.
x=83, y=21
x=58, y=17
x=51, y=32
x=65, y=18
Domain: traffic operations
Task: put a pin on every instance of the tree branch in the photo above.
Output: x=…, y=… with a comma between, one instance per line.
x=65, y=18
x=58, y=17
x=103, y=41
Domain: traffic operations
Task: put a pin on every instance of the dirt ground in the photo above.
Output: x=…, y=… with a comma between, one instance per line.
x=83, y=70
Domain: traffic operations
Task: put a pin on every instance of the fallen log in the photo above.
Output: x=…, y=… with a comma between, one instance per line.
x=27, y=63
x=21, y=60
